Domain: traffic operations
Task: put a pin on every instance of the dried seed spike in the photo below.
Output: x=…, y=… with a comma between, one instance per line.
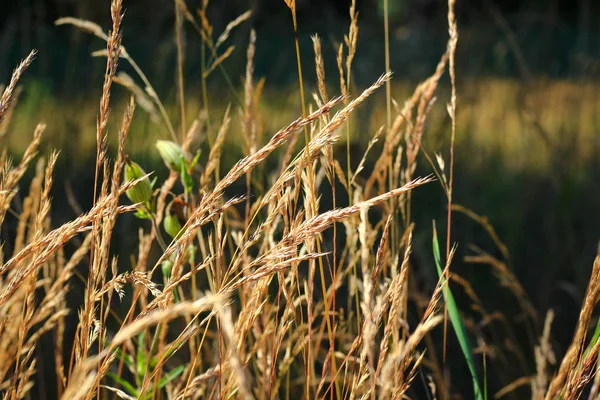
x=6, y=98
x=231, y=26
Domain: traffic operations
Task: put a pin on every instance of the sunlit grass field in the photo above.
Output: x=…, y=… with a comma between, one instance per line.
x=398, y=240
x=521, y=126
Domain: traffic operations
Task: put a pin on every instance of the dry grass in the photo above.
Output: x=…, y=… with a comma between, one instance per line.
x=264, y=294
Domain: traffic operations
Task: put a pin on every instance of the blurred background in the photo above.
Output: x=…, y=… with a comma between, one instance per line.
x=508, y=38
x=528, y=117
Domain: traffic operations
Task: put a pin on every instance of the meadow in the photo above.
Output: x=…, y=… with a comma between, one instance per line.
x=322, y=240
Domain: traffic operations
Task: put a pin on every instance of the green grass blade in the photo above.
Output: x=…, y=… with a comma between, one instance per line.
x=127, y=358
x=141, y=358
x=593, y=341
x=171, y=375
x=126, y=385
x=456, y=320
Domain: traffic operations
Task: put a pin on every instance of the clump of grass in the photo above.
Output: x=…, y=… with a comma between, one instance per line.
x=232, y=305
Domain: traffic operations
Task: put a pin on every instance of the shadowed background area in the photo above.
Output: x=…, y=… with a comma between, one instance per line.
x=528, y=121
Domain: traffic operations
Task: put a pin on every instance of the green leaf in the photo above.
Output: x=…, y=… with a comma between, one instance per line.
x=174, y=373
x=186, y=178
x=167, y=354
x=166, y=266
x=191, y=252
x=195, y=160
x=456, y=320
x=142, y=213
x=126, y=385
x=593, y=341
x=141, y=356
x=127, y=358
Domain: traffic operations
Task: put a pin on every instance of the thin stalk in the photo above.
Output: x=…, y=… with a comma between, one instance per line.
x=334, y=279
x=194, y=360
x=208, y=42
x=205, y=90
x=150, y=90
x=453, y=32
x=388, y=87
x=313, y=200
x=153, y=348
x=178, y=34
x=351, y=45
x=128, y=318
x=388, y=113
x=159, y=237
x=310, y=363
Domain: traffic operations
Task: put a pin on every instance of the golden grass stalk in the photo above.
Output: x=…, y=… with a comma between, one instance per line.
x=6, y=98
x=214, y=156
x=569, y=376
x=180, y=58
x=7, y=116
x=9, y=177
x=230, y=27
x=54, y=240
x=543, y=356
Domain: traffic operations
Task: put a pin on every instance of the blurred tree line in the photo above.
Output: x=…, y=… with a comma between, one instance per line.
x=555, y=38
